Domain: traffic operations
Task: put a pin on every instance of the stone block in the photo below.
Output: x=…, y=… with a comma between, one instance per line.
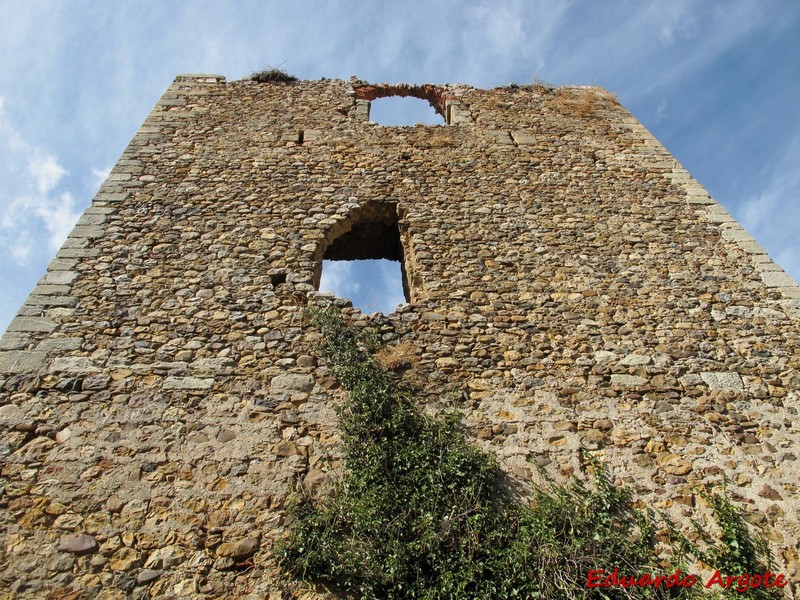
x=187, y=383
x=211, y=365
x=73, y=365
x=292, y=382
x=16, y=362
x=59, y=277
x=36, y=300
x=790, y=291
x=751, y=247
x=51, y=290
x=59, y=345
x=627, y=380
x=777, y=279
x=459, y=115
x=121, y=176
x=523, y=138
x=75, y=242
x=87, y=231
x=636, y=360
x=76, y=252
x=62, y=264
x=499, y=136
x=737, y=234
x=604, y=357
x=32, y=324
x=700, y=199
x=106, y=195
x=719, y=217
x=722, y=380
x=91, y=218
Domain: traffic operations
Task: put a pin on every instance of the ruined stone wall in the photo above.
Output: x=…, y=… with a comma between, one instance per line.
x=570, y=284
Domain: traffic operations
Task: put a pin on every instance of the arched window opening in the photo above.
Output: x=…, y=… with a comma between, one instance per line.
x=404, y=104
x=365, y=262
x=396, y=111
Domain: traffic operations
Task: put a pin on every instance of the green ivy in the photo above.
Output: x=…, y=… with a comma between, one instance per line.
x=422, y=513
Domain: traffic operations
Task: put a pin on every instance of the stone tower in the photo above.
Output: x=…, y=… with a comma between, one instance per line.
x=569, y=285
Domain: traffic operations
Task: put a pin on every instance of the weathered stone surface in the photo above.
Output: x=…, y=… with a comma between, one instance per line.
x=92, y=217
x=292, y=382
x=778, y=279
x=603, y=357
x=315, y=480
x=59, y=345
x=50, y=290
x=78, y=544
x=124, y=559
x=34, y=324
x=523, y=138
x=570, y=289
x=628, y=380
x=145, y=576
x=14, y=362
x=58, y=278
x=636, y=360
x=94, y=383
x=73, y=365
x=240, y=549
x=115, y=504
x=722, y=381
x=674, y=464
x=68, y=301
x=14, y=341
x=187, y=383
x=10, y=414
x=211, y=365
x=87, y=231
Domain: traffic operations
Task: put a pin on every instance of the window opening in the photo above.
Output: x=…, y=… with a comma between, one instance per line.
x=395, y=111
x=407, y=96
x=365, y=262
x=373, y=285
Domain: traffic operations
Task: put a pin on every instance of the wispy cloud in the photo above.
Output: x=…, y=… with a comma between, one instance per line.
x=338, y=277
x=773, y=215
x=372, y=285
x=661, y=111
x=31, y=204
x=99, y=176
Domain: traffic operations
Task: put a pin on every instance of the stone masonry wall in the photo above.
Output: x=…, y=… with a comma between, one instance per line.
x=571, y=286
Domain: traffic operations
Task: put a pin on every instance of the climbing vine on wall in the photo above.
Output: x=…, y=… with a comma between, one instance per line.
x=422, y=513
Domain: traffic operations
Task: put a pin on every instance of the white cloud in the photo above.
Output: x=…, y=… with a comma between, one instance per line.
x=661, y=111
x=641, y=47
x=773, y=215
x=372, y=285
x=337, y=277
x=20, y=247
x=392, y=286
x=502, y=25
x=46, y=172
x=499, y=37
x=679, y=23
x=99, y=176
x=32, y=208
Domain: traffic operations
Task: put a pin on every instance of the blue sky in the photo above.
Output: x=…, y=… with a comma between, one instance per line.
x=718, y=82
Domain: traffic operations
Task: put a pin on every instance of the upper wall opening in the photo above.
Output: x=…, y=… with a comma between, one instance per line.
x=396, y=111
x=443, y=101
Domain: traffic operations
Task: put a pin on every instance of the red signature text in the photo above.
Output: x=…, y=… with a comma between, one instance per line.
x=740, y=583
